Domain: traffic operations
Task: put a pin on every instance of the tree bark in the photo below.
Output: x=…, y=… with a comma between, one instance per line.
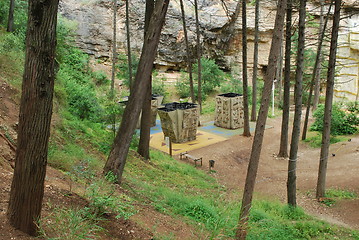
x=114, y=60
x=255, y=63
x=114, y=47
x=246, y=129
x=323, y=162
x=283, y=149
x=199, y=55
x=189, y=60
x=279, y=74
x=129, y=55
x=117, y=158
x=315, y=82
x=261, y=121
x=145, y=134
x=319, y=67
x=27, y=188
x=10, y=22
x=292, y=163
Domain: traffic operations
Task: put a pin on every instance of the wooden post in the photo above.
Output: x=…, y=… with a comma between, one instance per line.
x=170, y=146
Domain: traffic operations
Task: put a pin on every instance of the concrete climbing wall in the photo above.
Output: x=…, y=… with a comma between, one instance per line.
x=179, y=121
x=229, y=111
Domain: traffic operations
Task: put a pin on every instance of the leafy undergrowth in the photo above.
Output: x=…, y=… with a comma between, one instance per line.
x=333, y=195
x=314, y=139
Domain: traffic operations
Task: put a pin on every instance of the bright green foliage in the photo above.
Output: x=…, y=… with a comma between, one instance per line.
x=332, y=195
x=212, y=77
x=20, y=15
x=158, y=85
x=315, y=141
x=104, y=199
x=341, y=123
x=122, y=66
x=209, y=106
x=353, y=107
x=232, y=84
x=340, y=194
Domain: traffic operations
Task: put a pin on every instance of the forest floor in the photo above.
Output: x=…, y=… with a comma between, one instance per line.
x=231, y=160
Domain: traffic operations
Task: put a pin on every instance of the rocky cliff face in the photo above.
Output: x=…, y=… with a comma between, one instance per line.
x=94, y=32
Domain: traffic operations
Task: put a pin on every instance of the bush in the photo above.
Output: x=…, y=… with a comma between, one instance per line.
x=232, y=85
x=100, y=78
x=342, y=123
x=353, y=107
x=122, y=67
x=158, y=85
x=212, y=77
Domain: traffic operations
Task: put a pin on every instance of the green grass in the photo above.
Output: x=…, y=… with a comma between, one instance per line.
x=340, y=194
x=314, y=139
x=184, y=192
x=70, y=224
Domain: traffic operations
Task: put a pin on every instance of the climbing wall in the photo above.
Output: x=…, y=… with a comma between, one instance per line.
x=179, y=121
x=229, y=111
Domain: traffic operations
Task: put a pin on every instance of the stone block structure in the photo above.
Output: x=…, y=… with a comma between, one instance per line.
x=229, y=111
x=179, y=121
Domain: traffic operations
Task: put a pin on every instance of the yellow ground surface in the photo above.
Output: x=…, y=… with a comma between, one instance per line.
x=203, y=139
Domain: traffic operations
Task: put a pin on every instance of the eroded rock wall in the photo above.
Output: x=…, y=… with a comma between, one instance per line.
x=94, y=34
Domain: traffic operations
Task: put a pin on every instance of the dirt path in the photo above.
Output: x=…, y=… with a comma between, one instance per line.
x=232, y=157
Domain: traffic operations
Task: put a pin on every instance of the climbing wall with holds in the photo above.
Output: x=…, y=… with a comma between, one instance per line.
x=179, y=121
x=229, y=111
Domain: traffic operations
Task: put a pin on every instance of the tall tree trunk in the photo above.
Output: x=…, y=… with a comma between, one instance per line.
x=319, y=67
x=199, y=55
x=117, y=158
x=129, y=55
x=27, y=188
x=10, y=22
x=328, y=103
x=292, y=163
x=255, y=63
x=283, y=149
x=145, y=134
x=246, y=129
x=261, y=121
x=189, y=60
x=114, y=60
x=114, y=47
x=316, y=74
x=279, y=76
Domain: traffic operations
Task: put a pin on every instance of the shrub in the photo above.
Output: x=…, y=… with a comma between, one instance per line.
x=353, y=107
x=158, y=85
x=122, y=67
x=100, y=78
x=232, y=84
x=341, y=123
x=212, y=77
